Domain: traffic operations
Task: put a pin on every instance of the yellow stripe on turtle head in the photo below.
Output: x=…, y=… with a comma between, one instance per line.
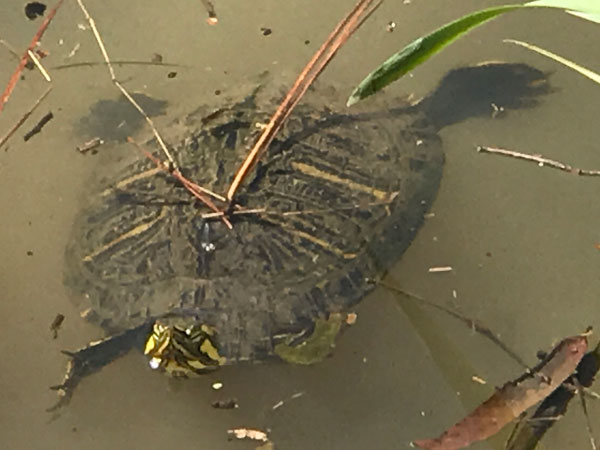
x=182, y=351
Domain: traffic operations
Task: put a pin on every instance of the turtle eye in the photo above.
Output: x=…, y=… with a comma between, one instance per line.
x=183, y=351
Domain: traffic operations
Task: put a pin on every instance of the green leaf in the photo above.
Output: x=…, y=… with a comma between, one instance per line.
x=595, y=77
x=589, y=6
x=420, y=50
x=424, y=47
x=585, y=9
x=587, y=16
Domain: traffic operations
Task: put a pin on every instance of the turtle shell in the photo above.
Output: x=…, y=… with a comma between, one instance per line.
x=335, y=200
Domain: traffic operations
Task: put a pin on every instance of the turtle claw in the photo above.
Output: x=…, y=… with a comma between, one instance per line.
x=63, y=400
x=77, y=369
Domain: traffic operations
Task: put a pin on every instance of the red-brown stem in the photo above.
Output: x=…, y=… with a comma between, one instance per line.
x=189, y=185
x=315, y=66
x=17, y=73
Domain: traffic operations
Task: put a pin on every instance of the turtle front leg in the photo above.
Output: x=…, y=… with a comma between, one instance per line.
x=94, y=357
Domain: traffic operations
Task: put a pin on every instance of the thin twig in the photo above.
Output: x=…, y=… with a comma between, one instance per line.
x=471, y=323
x=197, y=191
x=39, y=65
x=540, y=160
x=307, y=212
x=116, y=63
x=17, y=73
x=180, y=177
x=236, y=212
x=349, y=24
x=116, y=82
x=22, y=120
x=11, y=49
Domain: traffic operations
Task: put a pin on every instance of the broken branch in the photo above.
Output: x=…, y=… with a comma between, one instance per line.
x=540, y=160
x=513, y=399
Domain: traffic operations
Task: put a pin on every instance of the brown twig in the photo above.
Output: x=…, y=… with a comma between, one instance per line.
x=180, y=176
x=116, y=63
x=197, y=191
x=17, y=73
x=22, y=120
x=540, y=160
x=341, y=33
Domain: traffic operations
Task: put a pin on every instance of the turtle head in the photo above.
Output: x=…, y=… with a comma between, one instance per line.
x=182, y=350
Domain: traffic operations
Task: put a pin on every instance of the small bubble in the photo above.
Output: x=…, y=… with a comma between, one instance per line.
x=154, y=363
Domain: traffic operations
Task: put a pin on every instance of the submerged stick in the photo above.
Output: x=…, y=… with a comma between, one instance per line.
x=38, y=127
x=539, y=160
x=119, y=62
x=348, y=25
x=513, y=399
x=471, y=323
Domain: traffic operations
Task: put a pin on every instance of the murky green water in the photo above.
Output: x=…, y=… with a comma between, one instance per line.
x=520, y=238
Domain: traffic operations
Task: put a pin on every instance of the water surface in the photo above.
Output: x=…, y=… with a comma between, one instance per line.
x=520, y=238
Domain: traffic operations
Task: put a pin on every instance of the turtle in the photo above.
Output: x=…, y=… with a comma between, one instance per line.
x=334, y=201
